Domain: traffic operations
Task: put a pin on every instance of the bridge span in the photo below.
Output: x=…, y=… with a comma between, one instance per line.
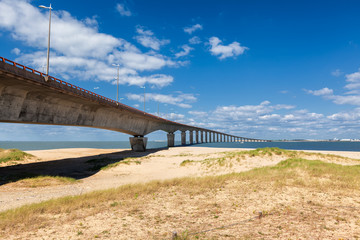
x=29, y=96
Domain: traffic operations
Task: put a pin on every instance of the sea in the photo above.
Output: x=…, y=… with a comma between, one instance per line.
x=308, y=145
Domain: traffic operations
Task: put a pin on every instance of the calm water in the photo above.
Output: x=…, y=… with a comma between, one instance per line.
x=327, y=146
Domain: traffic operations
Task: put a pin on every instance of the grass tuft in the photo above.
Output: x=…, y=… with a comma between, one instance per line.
x=7, y=155
x=44, y=181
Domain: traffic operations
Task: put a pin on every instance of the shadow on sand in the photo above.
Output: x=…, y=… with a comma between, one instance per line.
x=77, y=168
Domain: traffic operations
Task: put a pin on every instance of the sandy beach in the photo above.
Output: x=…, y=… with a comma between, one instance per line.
x=158, y=164
x=305, y=202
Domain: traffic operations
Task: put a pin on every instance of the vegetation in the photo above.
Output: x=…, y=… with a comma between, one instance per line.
x=293, y=172
x=227, y=159
x=9, y=155
x=44, y=181
x=107, y=163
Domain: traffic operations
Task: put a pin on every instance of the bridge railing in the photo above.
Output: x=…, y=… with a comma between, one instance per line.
x=108, y=100
x=105, y=99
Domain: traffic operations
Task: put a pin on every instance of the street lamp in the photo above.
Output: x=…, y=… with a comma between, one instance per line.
x=144, y=97
x=48, y=50
x=117, y=91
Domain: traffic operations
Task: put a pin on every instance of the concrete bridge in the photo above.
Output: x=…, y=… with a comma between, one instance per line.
x=29, y=96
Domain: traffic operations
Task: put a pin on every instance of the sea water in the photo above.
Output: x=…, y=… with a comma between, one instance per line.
x=313, y=145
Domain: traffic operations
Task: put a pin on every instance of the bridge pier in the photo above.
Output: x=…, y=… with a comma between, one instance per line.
x=171, y=139
x=191, y=139
x=138, y=143
x=202, y=136
x=197, y=136
x=183, y=138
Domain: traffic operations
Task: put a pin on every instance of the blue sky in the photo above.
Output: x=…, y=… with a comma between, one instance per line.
x=260, y=69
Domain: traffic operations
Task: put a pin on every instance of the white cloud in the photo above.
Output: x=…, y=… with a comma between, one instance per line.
x=193, y=28
x=186, y=50
x=194, y=40
x=147, y=39
x=321, y=92
x=199, y=114
x=123, y=10
x=354, y=80
x=78, y=49
x=222, y=51
x=182, y=100
x=173, y=116
x=16, y=51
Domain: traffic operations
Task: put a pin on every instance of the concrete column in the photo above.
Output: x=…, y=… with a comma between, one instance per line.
x=206, y=137
x=217, y=137
x=197, y=137
x=202, y=136
x=191, y=137
x=183, y=138
x=138, y=143
x=210, y=137
x=171, y=139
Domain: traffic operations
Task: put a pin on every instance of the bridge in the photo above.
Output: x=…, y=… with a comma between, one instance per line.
x=29, y=96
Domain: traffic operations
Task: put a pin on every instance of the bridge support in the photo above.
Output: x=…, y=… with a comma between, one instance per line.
x=171, y=139
x=191, y=139
x=183, y=138
x=197, y=137
x=138, y=143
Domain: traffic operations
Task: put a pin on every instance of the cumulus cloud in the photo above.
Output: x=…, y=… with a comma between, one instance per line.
x=224, y=51
x=277, y=121
x=123, y=10
x=321, y=92
x=199, y=114
x=78, y=49
x=351, y=97
x=354, y=80
x=193, y=28
x=194, y=40
x=147, y=39
x=181, y=100
x=186, y=50
x=16, y=51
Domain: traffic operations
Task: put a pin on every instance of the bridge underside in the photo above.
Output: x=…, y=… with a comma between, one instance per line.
x=25, y=97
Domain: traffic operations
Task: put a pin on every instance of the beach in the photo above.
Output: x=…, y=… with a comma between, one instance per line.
x=161, y=164
x=179, y=193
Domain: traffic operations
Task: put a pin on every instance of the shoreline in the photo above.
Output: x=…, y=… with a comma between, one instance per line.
x=155, y=165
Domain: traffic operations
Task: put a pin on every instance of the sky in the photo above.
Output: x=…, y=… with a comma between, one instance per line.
x=257, y=69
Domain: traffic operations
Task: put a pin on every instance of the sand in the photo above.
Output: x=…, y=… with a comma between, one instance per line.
x=294, y=212
x=158, y=164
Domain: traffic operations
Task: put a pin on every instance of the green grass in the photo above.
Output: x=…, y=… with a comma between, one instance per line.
x=186, y=162
x=13, y=155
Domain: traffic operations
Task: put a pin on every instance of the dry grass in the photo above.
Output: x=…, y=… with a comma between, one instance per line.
x=42, y=181
x=297, y=196
x=229, y=159
x=13, y=155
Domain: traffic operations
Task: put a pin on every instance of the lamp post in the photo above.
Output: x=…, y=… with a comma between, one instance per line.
x=117, y=84
x=144, y=96
x=48, y=50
